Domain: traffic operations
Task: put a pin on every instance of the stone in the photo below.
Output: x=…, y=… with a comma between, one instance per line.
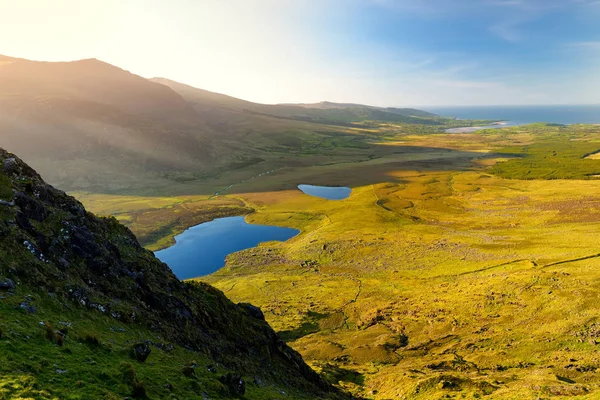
x=234, y=383
x=10, y=165
x=141, y=351
x=28, y=307
x=7, y=284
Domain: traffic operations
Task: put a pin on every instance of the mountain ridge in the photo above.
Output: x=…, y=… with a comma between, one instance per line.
x=90, y=126
x=323, y=112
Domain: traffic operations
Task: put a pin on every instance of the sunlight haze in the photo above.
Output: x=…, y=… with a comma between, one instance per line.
x=381, y=52
x=299, y=199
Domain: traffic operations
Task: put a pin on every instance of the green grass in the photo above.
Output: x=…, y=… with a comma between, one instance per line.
x=6, y=192
x=33, y=366
x=554, y=156
x=84, y=297
x=438, y=276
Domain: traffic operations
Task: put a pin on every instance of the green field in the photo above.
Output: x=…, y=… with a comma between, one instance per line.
x=462, y=265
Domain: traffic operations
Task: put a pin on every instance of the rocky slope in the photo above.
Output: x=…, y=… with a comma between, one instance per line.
x=86, y=312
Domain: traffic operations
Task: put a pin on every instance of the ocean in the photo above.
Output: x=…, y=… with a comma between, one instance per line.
x=518, y=115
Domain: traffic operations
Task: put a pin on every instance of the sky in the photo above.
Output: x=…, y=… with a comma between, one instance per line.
x=379, y=52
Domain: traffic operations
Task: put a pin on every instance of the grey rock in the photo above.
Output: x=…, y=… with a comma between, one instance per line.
x=10, y=165
x=28, y=307
x=64, y=264
x=141, y=351
x=7, y=284
x=234, y=383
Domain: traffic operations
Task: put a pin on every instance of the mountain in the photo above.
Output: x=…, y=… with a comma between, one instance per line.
x=88, y=313
x=205, y=97
x=407, y=112
x=92, y=81
x=324, y=112
x=90, y=126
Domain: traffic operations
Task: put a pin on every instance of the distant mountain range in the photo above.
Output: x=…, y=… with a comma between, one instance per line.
x=324, y=112
x=88, y=125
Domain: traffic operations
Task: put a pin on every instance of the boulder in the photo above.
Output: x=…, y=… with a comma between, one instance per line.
x=234, y=383
x=10, y=165
x=28, y=307
x=141, y=351
x=6, y=284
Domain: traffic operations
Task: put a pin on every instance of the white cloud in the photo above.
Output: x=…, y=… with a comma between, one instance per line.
x=584, y=45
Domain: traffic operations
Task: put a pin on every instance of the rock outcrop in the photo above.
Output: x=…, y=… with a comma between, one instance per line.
x=97, y=265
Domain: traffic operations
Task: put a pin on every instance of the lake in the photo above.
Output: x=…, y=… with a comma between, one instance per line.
x=326, y=192
x=201, y=249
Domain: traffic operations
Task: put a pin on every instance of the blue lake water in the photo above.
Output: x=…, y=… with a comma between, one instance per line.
x=518, y=115
x=201, y=250
x=326, y=192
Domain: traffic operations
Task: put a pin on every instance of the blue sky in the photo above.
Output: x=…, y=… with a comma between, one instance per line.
x=382, y=52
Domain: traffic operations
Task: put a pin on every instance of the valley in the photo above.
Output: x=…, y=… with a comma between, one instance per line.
x=457, y=265
x=300, y=200
x=441, y=274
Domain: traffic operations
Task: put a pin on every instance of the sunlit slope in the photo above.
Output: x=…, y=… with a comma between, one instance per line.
x=461, y=275
x=438, y=282
x=325, y=112
x=440, y=275
x=90, y=126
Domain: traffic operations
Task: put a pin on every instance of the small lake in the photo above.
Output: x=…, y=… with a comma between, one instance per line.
x=326, y=192
x=201, y=250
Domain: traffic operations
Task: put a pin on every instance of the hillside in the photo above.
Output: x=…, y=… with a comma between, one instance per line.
x=407, y=112
x=465, y=268
x=89, y=126
x=93, y=81
x=86, y=312
x=322, y=113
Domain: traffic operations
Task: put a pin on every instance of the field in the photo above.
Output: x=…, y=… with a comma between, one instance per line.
x=462, y=265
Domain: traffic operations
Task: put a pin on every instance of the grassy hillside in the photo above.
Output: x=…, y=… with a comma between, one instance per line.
x=90, y=126
x=558, y=153
x=87, y=313
x=93, y=81
x=322, y=113
x=437, y=277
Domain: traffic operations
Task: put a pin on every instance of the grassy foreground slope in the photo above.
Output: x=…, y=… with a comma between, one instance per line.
x=443, y=275
x=87, y=313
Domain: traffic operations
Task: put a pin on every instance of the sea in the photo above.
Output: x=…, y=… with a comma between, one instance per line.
x=519, y=115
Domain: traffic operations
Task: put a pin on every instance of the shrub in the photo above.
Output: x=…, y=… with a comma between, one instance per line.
x=130, y=377
x=91, y=340
x=139, y=390
x=49, y=331
x=128, y=371
x=188, y=371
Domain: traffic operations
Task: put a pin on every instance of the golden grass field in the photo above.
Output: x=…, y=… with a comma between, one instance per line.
x=436, y=278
